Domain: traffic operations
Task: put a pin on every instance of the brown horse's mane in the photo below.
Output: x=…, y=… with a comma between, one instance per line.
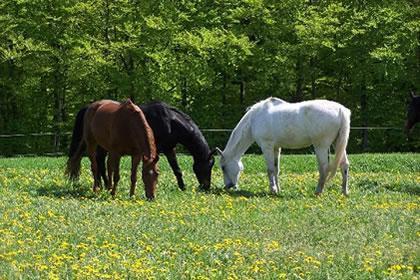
x=149, y=138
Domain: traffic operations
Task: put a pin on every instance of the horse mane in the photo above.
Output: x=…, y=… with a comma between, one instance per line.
x=148, y=136
x=196, y=132
x=186, y=117
x=241, y=137
x=236, y=145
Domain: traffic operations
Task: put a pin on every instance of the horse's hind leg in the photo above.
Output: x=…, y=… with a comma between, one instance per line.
x=322, y=157
x=110, y=167
x=344, y=165
x=270, y=159
x=91, y=150
x=135, y=160
x=277, y=166
x=100, y=158
x=171, y=156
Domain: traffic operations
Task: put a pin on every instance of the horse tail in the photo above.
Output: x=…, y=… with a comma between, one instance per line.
x=341, y=141
x=77, y=147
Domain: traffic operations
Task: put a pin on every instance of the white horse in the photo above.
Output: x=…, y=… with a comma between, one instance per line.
x=275, y=124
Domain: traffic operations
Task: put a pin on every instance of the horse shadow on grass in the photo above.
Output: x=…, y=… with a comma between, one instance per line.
x=236, y=193
x=372, y=186
x=412, y=189
x=258, y=194
x=76, y=191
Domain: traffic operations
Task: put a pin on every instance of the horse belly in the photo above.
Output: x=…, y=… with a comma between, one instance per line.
x=293, y=141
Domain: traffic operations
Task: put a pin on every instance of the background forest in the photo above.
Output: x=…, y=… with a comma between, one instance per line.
x=211, y=59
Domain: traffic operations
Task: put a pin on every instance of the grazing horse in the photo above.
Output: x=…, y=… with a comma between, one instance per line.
x=275, y=124
x=121, y=129
x=413, y=112
x=170, y=127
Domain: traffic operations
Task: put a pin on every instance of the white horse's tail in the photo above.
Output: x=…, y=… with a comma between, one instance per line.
x=340, y=142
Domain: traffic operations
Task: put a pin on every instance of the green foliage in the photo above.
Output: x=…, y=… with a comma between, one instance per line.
x=57, y=56
x=52, y=229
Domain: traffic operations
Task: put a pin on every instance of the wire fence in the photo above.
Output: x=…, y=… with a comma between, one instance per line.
x=24, y=144
x=204, y=130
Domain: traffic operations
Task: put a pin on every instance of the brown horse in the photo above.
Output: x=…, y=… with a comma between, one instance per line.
x=122, y=129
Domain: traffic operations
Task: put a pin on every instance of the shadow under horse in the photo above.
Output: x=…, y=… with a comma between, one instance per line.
x=121, y=129
x=170, y=127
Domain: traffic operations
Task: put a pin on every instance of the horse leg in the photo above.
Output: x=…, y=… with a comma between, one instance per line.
x=171, y=156
x=269, y=155
x=135, y=160
x=277, y=166
x=322, y=157
x=344, y=165
x=100, y=158
x=91, y=150
x=115, y=161
x=110, y=167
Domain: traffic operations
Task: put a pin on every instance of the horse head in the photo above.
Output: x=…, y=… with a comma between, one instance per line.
x=413, y=112
x=150, y=173
x=202, y=169
x=231, y=168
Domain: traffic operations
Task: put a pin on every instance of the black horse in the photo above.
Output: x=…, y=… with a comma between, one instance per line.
x=413, y=112
x=170, y=127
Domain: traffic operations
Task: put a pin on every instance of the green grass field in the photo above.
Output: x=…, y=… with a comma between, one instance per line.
x=52, y=229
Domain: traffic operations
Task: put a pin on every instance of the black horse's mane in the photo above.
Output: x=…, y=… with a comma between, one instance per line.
x=186, y=117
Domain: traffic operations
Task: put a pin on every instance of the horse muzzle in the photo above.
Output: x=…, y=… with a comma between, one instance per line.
x=230, y=186
x=204, y=186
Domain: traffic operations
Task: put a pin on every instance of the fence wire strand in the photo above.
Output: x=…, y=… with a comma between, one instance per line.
x=38, y=134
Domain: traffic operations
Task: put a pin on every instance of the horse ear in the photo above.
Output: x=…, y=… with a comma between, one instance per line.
x=156, y=159
x=211, y=154
x=220, y=152
x=412, y=94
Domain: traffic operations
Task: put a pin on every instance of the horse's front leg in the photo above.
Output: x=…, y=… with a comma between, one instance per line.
x=135, y=160
x=171, y=156
x=270, y=159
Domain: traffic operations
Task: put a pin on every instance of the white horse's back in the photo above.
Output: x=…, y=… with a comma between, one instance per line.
x=296, y=125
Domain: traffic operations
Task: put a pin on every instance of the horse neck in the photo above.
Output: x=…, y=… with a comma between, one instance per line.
x=240, y=139
x=196, y=144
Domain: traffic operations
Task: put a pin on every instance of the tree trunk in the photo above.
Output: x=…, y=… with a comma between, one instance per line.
x=313, y=77
x=299, y=81
x=242, y=92
x=59, y=116
x=338, y=85
x=364, y=114
x=224, y=89
x=184, y=93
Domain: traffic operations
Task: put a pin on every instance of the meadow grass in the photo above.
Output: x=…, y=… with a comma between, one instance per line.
x=51, y=229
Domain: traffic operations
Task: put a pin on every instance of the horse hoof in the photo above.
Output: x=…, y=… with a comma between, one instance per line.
x=318, y=194
x=274, y=191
